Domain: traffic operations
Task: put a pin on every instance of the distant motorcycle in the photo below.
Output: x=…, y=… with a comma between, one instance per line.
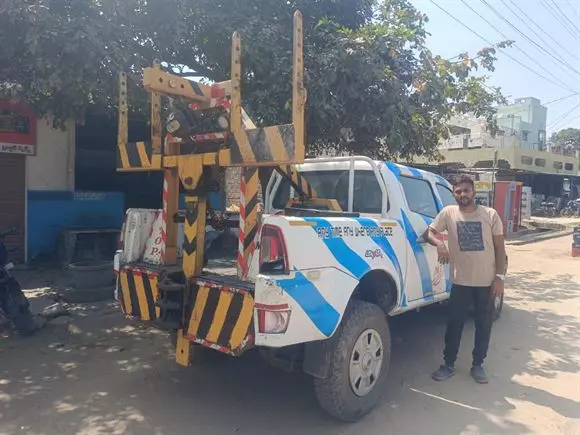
x=571, y=209
x=548, y=209
x=13, y=304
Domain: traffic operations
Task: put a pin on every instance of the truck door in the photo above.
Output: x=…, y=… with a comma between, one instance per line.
x=428, y=278
x=386, y=245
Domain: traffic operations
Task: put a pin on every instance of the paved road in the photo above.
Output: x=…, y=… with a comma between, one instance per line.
x=100, y=375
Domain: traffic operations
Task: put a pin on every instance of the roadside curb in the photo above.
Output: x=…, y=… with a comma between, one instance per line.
x=540, y=237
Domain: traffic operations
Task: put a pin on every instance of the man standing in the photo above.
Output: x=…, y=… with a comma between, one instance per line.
x=477, y=255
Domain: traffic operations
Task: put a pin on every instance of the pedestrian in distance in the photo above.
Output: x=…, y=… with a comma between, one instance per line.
x=477, y=257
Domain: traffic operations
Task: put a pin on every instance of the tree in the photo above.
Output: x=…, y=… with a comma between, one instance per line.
x=568, y=138
x=373, y=86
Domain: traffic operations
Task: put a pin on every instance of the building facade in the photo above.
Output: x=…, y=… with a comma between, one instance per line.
x=37, y=185
x=521, y=124
x=525, y=119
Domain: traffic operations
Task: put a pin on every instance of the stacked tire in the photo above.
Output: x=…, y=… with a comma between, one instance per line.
x=92, y=281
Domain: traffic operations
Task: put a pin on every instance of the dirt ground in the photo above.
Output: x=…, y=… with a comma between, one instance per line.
x=96, y=373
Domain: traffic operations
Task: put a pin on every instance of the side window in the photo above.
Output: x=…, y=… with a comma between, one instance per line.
x=368, y=197
x=446, y=195
x=419, y=196
x=282, y=195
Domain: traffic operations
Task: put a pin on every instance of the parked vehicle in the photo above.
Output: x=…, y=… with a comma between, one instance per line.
x=337, y=248
x=321, y=281
x=548, y=209
x=572, y=208
x=13, y=304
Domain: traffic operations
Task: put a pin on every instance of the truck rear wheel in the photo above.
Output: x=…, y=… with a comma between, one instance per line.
x=359, y=362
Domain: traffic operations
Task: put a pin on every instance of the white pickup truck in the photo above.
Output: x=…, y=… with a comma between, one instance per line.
x=321, y=284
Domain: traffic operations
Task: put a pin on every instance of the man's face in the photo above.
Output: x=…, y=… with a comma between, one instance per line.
x=464, y=194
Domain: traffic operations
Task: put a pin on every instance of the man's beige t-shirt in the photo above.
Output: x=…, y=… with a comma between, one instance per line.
x=470, y=243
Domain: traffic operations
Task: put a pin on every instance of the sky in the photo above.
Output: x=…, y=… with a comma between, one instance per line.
x=555, y=47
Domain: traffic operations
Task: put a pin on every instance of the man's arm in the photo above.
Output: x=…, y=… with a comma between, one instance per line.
x=499, y=247
x=500, y=257
x=430, y=236
x=438, y=225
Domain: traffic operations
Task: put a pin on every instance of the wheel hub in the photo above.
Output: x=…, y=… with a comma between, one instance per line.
x=366, y=362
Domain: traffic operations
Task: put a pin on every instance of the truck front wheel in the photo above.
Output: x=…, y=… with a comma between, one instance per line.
x=359, y=361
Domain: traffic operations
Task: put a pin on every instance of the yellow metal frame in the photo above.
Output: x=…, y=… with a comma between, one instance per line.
x=245, y=145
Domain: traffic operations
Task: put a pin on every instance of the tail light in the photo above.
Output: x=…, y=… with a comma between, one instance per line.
x=273, y=319
x=273, y=255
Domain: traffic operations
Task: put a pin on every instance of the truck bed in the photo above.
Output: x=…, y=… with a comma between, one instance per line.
x=224, y=271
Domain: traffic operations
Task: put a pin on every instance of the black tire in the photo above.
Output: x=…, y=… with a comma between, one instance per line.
x=335, y=393
x=497, y=308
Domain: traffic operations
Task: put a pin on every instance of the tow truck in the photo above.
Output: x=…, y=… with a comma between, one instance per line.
x=334, y=251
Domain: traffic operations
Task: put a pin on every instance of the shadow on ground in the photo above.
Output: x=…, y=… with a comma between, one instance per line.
x=101, y=374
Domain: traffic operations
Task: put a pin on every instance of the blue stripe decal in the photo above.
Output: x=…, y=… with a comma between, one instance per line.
x=438, y=201
x=348, y=258
x=394, y=169
x=420, y=257
x=416, y=173
x=441, y=180
x=385, y=245
x=305, y=293
x=428, y=220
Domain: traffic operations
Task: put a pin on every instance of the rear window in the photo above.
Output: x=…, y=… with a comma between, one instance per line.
x=327, y=184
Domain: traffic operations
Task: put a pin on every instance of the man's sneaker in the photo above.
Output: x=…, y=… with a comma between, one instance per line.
x=478, y=373
x=443, y=372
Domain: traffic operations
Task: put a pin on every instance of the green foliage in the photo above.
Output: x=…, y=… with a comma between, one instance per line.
x=373, y=86
x=567, y=138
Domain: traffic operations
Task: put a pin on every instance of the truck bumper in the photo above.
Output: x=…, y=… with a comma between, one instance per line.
x=209, y=312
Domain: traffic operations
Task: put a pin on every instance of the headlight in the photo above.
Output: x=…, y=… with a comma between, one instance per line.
x=223, y=122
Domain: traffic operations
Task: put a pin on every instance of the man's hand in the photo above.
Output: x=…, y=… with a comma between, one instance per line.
x=443, y=253
x=497, y=287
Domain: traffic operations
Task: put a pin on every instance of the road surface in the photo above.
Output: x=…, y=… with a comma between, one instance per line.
x=99, y=374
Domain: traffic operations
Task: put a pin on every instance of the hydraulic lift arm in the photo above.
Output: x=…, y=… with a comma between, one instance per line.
x=208, y=129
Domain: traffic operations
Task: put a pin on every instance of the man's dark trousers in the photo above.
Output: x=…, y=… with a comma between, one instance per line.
x=461, y=299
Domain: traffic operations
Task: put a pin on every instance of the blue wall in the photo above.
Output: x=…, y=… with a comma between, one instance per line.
x=51, y=211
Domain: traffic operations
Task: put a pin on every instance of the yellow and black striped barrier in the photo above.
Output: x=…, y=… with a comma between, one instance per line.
x=194, y=235
x=263, y=146
x=220, y=317
x=249, y=204
x=139, y=293
x=137, y=156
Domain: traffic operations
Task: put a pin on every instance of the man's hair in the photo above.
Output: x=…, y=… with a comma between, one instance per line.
x=463, y=178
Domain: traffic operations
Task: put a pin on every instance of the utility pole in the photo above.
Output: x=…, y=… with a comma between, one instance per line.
x=493, y=177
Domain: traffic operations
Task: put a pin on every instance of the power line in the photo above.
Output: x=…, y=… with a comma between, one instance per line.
x=574, y=10
x=566, y=17
x=558, y=18
x=561, y=98
x=564, y=85
x=551, y=101
x=563, y=117
x=528, y=38
x=490, y=43
x=530, y=19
